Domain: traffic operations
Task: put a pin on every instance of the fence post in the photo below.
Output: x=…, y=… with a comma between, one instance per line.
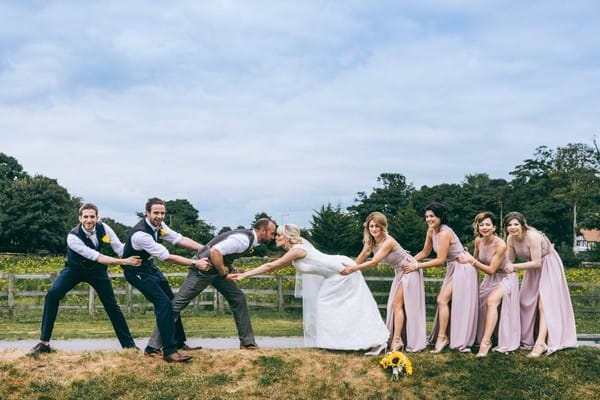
x=220, y=303
x=11, y=296
x=280, y=295
x=129, y=302
x=91, y=301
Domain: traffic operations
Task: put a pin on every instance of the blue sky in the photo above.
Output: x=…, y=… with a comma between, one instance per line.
x=280, y=106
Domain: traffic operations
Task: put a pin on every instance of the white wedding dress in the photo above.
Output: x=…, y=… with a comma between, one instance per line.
x=339, y=312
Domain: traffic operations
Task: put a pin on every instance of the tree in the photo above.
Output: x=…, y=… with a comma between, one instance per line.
x=224, y=229
x=532, y=193
x=335, y=232
x=120, y=229
x=10, y=170
x=394, y=194
x=408, y=228
x=577, y=181
x=38, y=213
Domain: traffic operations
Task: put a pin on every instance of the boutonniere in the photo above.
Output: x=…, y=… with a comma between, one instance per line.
x=105, y=238
x=162, y=232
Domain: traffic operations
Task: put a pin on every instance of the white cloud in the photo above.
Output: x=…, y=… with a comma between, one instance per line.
x=283, y=107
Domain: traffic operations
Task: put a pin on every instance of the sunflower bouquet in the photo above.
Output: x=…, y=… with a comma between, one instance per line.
x=398, y=363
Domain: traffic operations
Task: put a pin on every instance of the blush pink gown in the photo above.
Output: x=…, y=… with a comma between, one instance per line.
x=464, y=304
x=508, y=329
x=547, y=284
x=414, y=333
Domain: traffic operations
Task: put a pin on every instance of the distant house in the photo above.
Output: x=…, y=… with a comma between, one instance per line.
x=587, y=239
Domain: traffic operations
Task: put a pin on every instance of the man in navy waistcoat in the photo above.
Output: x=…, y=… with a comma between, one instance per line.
x=86, y=263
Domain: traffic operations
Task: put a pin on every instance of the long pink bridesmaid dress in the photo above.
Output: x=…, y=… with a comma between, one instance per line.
x=414, y=333
x=464, y=305
x=549, y=285
x=508, y=329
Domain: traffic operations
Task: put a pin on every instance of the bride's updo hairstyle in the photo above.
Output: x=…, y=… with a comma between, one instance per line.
x=290, y=231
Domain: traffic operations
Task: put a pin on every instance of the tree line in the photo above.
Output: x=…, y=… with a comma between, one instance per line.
x=558, y=190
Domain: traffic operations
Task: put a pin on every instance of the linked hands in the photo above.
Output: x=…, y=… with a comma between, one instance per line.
x=411, y=267
x=466, y=258
x=348, y=269
x=203, y=264
x=134, y=261
x=235, y=277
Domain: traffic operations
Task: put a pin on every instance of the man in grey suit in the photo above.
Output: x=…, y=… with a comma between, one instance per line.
x=221, y=251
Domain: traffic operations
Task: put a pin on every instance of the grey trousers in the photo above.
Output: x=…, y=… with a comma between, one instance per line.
x=195, y=282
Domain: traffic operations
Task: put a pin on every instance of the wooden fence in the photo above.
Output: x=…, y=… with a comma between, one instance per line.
x=589, y=302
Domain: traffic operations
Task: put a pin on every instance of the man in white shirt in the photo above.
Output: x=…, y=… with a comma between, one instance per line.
x=85, y=263
x=221, y=252
x=145, y=241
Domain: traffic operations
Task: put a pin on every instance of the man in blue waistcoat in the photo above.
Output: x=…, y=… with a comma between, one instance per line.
x=145, y=241
x=86, y=263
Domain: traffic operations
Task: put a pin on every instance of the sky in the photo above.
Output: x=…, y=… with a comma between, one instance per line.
x=282, y=107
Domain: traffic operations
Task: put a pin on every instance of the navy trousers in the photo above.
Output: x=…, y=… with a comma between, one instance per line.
x=152, y=283
x=98, y=279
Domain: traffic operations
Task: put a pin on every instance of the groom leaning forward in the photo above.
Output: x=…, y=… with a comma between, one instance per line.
x=222, y=250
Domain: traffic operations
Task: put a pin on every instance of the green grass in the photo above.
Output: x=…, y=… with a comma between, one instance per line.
x=300, y=374
x=78, y=325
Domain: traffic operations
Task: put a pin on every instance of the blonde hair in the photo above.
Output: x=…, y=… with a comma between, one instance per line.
x=291, y=232
x=380, y=220
x=479, y=219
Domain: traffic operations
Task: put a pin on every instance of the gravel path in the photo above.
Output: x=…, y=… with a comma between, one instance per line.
x=209, y=343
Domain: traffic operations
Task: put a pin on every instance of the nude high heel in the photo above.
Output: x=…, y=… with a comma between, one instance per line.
x=440, y=344
x=484, y=348
x=538, y=350
x=397, y=344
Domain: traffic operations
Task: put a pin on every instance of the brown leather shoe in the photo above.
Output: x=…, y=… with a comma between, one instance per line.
x=186, y=347
x=177, y=357
x=249, y=347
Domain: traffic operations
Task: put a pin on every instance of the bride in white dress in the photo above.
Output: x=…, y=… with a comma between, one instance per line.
x=339, y=312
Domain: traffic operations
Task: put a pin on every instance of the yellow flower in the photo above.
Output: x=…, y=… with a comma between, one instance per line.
x=398, y=363
x=162, y=232
x=105, y=238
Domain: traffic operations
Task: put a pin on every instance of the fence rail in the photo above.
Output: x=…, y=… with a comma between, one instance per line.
x=131, y=298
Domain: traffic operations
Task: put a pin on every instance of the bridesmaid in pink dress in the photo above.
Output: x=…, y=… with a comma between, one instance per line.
x=460, y=286
x=406, y=302
x=499, y=289
x=544, y=292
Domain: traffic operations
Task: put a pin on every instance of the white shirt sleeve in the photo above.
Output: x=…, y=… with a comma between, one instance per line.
x=77, y=245
x=171, y=236
x=236, y=243
x=115, y=242
x=141, y=240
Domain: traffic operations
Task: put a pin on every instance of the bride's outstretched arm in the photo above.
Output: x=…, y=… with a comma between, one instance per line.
x=285, y=260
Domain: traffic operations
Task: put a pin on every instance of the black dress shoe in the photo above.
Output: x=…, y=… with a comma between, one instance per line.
x=177, y=357
x=249, y=346
x=186, y=347
x=154, y=353
x=39, y=348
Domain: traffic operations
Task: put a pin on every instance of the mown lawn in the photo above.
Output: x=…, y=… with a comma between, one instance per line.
x=297, y=374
